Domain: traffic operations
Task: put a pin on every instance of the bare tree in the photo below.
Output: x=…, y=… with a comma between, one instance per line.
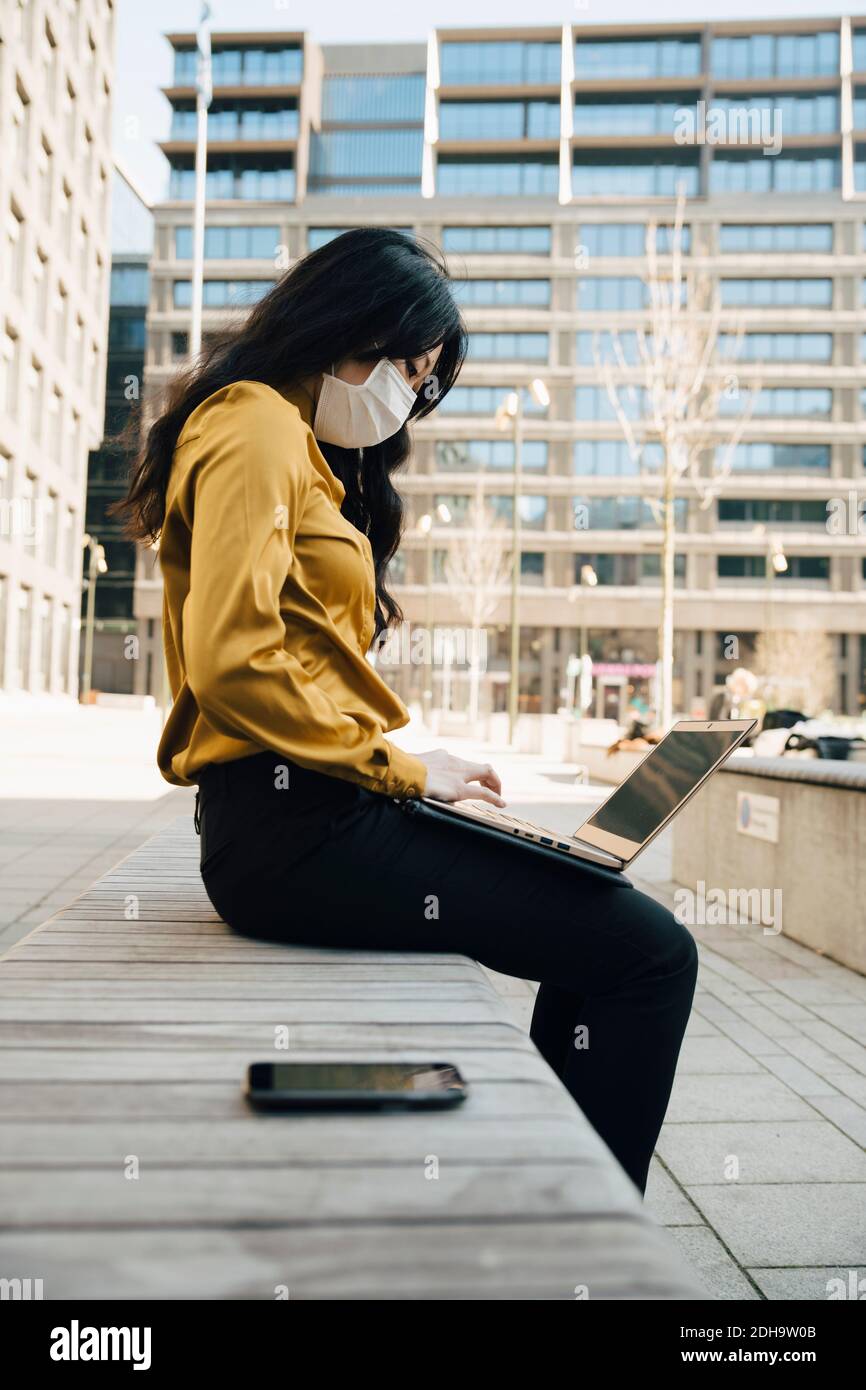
x=477, y=566
x=795, y=670
x=677, y=401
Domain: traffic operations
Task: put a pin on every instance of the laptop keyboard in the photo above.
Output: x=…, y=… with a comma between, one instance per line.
x=506, y=821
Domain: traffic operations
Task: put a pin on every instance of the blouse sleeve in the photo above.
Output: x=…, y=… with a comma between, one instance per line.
x=249, y=490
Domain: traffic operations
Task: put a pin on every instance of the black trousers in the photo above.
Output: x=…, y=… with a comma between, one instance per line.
x=295, y=856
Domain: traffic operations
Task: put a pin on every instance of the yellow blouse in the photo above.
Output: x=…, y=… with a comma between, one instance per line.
x=268, y=607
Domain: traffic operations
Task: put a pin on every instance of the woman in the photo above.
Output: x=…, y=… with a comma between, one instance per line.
x=267, y=479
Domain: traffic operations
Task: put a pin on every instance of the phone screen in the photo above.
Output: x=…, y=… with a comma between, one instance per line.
x=360, y=1078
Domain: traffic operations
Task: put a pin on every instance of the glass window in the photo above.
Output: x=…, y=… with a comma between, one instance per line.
x=235, y=122
x=126, y=334
x=593, y=403
x=759, y=510
x=476, y=455
x=499, y=120
x=369, y=188
x=242, y=66
x=755, y=567
x=617, y=115
x=634, y=176
x=509, y=347
x=497, y=176
x=795, y=172
x=485, y=400
x=609, y=292
x=499, y=63
x=611, y=458
x=612, y=239
x=623, y=514
x=860, y=108
x=532, y=566
x=218, y=294
x=361, y=154
x=776, y=55
x=25, y=633
x=235, y=179
x=503, y=292
x=185, y=67
x=757, y=457
x=627, y=239
x=626, y=571
x=532, y=509
x=374, y=98
x=814, y=402
x=130, y=284
x=651, y=569
x=229, y=243
x=776, y=347
x=755, y=118
x=775, y=236
x=668, y=57
x=227, y=66
x=605, y=346
x=811, y=292
x=533, y=241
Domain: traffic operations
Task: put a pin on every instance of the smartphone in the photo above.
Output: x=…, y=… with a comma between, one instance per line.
x=353, y=1085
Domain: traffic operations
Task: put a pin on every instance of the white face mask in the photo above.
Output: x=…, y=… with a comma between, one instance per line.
x=357, y=417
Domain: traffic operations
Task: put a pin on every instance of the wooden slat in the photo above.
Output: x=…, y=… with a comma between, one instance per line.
x=259, y=1039
x=614, y=1258
x=223, y=1099
x=145, y=1064
x=54, y=1015
x=256, y=1140
x=297, y=1196
x=297, y=986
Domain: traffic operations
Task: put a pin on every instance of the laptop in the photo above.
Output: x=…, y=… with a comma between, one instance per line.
x=637, y=810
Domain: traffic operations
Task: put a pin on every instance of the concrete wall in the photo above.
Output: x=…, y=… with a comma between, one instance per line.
x=819, y=862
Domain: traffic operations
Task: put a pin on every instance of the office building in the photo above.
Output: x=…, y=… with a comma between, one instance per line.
x=55, y=105
x=535, y=158
x=115, y=637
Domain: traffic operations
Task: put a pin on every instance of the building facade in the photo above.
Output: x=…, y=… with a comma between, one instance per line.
x=115, y=637
x=56, y=65
x=535, y=158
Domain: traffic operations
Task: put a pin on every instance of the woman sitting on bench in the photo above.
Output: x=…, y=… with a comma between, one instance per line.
x=267, y=479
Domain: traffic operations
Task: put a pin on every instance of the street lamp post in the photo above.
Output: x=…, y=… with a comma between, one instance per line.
x=425, y=527
x=512, y=409
x=203, y=97
x=588, y=580
x=96, y=565
x=775, y=562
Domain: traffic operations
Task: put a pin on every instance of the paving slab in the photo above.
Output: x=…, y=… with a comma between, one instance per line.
x=787, y=1223
x=713, y=1264
x=824, y=1282
x=744, y=1096
x=767, y=1152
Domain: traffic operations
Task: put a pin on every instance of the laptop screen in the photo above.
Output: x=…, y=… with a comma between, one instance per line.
x=661, y=782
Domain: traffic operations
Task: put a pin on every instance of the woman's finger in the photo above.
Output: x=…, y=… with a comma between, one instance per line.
x=485, y=774
x=482, y=794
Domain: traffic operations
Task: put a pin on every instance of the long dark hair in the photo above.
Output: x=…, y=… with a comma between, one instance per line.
x=367, y=294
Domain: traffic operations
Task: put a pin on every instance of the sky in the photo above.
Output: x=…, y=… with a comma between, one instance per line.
x=141, y=112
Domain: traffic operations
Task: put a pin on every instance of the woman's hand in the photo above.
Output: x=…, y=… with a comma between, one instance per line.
x=450, y=779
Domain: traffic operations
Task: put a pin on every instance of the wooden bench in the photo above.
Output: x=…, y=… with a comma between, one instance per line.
x=131, y=1167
